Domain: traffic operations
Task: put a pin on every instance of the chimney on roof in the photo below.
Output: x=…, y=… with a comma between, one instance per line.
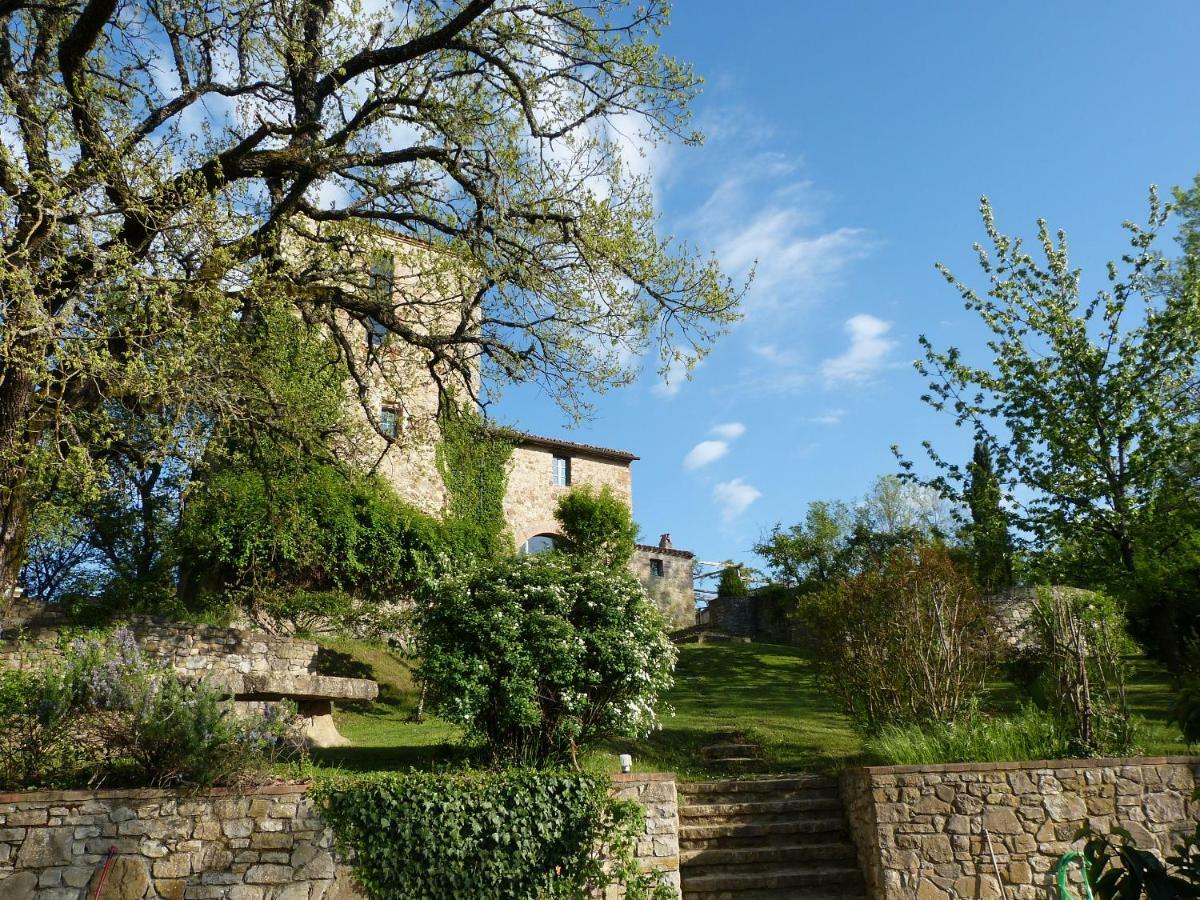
x=664, y=542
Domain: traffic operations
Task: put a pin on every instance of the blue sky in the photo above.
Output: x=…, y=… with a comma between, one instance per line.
x=848, y=145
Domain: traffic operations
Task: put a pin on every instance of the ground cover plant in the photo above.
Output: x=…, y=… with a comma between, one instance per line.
x=514, y=833
x=98, y=712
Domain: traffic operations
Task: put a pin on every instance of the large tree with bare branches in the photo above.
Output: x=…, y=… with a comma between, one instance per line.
x=170, y=168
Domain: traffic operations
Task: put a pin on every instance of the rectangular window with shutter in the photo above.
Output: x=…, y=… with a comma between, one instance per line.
x=562, y=471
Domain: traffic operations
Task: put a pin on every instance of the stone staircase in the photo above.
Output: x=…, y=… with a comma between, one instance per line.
x=769, y=837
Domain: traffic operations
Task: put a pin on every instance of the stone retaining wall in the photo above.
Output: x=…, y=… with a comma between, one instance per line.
x=658, y=848
x=268, y=844
x=923, y=831
x=191, y=649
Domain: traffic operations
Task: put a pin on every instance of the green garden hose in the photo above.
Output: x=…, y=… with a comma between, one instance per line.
x=1064, y=868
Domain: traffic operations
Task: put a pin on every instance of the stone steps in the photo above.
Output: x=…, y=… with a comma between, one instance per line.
x=700, y=860
x=720, y=813
x=766, y=837
x=843, y=879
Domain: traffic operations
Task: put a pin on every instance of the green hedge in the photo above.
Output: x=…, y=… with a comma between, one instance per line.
x=521, y=833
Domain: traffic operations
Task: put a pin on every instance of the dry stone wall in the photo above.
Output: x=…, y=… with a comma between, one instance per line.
x=267, y=844
x=923, y=831
x=658, y=847
x=191, y=649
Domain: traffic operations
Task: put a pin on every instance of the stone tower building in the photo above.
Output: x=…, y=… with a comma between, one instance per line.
x=403, y=402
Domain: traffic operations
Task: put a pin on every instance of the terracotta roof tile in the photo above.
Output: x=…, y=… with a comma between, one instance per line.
x=666, y=551
x=559, y=444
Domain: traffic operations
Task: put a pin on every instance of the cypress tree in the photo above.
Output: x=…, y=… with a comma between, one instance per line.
x=991, y=545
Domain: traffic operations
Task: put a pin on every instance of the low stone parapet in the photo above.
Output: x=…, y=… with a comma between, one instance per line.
x=269, y=844
x=265, y=844
x=931, y=831
x=658, y=848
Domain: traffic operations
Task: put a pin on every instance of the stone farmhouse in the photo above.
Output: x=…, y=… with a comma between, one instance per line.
x=403, y=404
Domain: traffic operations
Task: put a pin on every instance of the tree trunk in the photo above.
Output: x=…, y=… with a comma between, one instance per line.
x=16, y=406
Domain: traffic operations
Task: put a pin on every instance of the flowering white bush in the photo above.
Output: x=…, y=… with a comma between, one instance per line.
x=538, y=655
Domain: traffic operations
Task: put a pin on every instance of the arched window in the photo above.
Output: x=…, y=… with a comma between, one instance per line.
x=539, y=543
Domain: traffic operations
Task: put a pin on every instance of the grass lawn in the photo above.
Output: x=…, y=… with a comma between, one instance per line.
x=765, y=693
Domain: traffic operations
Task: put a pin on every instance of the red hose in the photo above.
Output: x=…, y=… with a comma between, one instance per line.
x=112, y=856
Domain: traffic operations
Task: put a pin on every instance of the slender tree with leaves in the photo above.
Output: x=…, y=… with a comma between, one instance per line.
x=1083, y=403
x=991, y=543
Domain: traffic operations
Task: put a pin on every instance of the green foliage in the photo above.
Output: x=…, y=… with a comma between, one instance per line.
x=544, y=267
x=991, y=544
x=1030, y=734
x=1185, y=709
x=510, y=835
x=1088, y=408
x=732, y=584
x=1118, y=870
x=838, y=539
x=98, y=711
x=292, y=538
x=472, y=458
x=808, y=556
x=536, y=655
x=1080, y=646
x=598, y=525
x=910, y=640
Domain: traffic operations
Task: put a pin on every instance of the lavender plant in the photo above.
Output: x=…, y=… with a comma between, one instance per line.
x=101, y=711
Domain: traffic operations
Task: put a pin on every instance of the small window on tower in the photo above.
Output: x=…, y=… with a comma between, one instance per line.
x=391, y=420
x=656, y=568
x=562, y=471
x=383, y=278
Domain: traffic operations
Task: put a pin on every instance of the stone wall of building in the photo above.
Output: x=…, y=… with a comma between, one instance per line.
x=532, y=494
x=266, y=844
x=672, y=591
x=924, y=831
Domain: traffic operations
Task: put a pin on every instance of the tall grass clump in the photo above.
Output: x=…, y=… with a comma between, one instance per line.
x=1030, y=733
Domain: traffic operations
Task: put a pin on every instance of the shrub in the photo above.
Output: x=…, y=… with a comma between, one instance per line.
x=732, y=584
x=597, y=525
x=312, y=529
x=100, y=711
x=1079, y=645
x=1185, y=710
x=536, y=655
x=908, y=641
x=514, y=834
x=1116, y=869
x=1032, y=733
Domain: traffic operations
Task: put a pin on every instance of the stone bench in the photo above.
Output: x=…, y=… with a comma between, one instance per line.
x=313, y=695
x=254, y=668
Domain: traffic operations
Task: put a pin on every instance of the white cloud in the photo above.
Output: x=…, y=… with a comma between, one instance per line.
x=735, y=497
x=710, y=451
x=866, y=354
x=761, y=218
x=704, y=453
x=729, y=431
x=829, y=417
